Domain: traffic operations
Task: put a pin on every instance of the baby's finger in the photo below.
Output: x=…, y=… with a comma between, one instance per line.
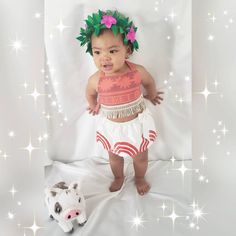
x=157, y=100
x=153, y=102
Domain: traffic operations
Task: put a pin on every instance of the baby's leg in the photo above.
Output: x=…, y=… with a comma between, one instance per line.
x=117, y=167
x=140, y=166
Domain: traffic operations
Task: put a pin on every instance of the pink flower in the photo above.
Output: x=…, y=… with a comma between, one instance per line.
x=108, y=21
x=131, y=35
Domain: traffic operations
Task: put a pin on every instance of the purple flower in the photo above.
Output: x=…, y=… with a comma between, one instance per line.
x=108, y=21
x=131, y=35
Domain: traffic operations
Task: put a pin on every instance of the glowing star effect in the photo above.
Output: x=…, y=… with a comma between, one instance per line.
x=180, y=100
x=137, y=221
x=224, y=130
x=35, y=94
x=37, y=15
x=10, y=215
x=40, y=139
x=182, y=170
x=30, y=148
x=228, y=153
x=194, y=205
x=173, y=160
x=210, y=37
x=48, y=117
x=201, y=178
x=187, y=78
x=5, y=156
x=163, y=207
x=13, y=191
x=213, y=18
x=216, y=83
x=25, y=85
x=61, y=26
x=172, y=15
x=17, y=45
x=191, y=225
x=34, y=227
x=198, y=213
x=203, y=158
x=173, y=216
x=205, y=92
x=11, y=134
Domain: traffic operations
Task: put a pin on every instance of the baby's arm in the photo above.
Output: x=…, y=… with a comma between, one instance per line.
x=91, y=95
x=150, y=86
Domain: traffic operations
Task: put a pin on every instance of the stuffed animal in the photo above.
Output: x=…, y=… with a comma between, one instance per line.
x=65, y=204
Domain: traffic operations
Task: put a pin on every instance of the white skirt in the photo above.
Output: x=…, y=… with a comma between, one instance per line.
x=127, y=139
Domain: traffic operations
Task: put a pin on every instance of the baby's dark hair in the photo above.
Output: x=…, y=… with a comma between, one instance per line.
x=108, y=20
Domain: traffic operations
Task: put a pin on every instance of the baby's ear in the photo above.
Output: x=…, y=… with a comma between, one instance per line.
x=128, y=51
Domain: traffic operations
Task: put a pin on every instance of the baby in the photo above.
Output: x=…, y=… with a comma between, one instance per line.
x=125, y=126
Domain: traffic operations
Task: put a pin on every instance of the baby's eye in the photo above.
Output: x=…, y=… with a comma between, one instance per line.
x=96, y=52
x=113, y=51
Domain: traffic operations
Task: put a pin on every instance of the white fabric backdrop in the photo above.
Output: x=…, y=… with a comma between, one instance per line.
x=165, y=46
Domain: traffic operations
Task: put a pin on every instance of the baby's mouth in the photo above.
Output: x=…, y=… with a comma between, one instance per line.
x=107, y=67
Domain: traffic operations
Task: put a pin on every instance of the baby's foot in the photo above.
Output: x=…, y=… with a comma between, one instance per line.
x=142, y=185
x=116, y=184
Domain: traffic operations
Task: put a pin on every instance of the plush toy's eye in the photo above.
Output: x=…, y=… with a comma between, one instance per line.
x=79, y=199
x=57, y=208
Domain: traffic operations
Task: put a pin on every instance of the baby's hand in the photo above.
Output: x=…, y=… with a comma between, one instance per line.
x=156, y=99
x=94, y=110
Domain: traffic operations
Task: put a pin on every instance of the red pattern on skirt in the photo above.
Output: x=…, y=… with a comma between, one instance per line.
x=126, y=147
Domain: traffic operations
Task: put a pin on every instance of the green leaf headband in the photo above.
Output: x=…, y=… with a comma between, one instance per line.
x=108, y=20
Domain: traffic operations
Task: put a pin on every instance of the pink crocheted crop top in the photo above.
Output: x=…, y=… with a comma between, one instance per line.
x=121, y=95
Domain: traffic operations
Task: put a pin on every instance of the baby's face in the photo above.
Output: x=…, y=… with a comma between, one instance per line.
x=109, y=52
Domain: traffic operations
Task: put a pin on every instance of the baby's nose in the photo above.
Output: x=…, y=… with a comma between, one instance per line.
x=106, y=56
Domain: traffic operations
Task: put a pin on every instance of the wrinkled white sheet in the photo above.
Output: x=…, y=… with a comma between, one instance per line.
x=113, y=213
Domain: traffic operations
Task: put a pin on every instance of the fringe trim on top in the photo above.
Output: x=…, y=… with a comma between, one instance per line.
x=125, y=110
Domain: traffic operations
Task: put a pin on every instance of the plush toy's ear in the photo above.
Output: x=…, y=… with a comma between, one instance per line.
x=51, y=192
x=74, y=185
x=61, y=185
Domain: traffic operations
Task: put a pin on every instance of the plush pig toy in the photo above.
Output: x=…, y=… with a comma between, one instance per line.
x=65, y=204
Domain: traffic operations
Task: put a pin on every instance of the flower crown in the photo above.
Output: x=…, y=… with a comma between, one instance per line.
x=108, y=20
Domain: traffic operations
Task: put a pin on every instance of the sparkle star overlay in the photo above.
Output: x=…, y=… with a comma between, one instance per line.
x=17, y=45
x=34, y=227
x=35, y=94
x=173, y=216
x=61, y=27
x=137, y=221
x=13, y=191
x=30, y=148
x=205, y=92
